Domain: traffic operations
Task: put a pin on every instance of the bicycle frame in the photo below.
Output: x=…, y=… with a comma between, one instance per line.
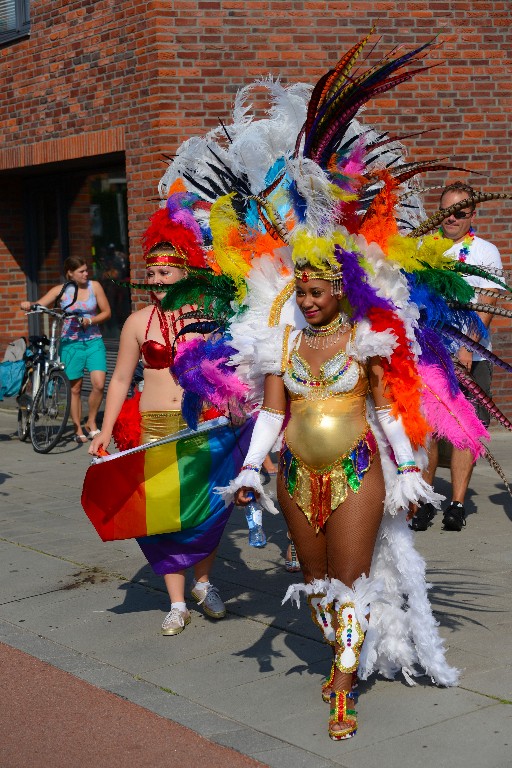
x=43, y=403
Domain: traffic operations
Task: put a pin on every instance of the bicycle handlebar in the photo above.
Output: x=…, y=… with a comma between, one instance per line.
x=58, y=313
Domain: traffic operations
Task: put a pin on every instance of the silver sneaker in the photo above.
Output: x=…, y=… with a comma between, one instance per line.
x=175, y=622
x=211, y=601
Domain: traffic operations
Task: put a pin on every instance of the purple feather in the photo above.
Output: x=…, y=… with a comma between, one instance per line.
x=361, y=296
x=179, y=209
x=201, y=368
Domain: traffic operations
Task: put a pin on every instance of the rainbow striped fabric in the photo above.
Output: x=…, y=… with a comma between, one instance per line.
x=167, y=489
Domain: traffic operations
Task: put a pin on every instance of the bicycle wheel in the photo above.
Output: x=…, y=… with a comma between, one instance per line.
x=24, y=400
x=50, y=411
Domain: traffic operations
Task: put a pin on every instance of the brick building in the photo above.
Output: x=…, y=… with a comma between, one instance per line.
x=95, y=92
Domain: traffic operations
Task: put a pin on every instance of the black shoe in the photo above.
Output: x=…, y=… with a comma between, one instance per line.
x=454, y=518
x=423, y=517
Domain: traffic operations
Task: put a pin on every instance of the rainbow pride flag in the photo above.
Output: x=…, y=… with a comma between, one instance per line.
x=166, y=489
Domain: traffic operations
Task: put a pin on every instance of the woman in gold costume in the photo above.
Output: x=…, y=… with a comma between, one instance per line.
x=327, y=386
x=334, y=530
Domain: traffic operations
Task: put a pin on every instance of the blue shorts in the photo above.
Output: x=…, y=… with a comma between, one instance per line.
x=78, y=355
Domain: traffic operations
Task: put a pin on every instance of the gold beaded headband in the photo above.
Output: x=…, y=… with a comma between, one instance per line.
x=333, y=274
x=304, y=274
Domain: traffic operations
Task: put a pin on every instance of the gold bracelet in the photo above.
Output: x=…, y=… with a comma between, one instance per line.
x=272, y=410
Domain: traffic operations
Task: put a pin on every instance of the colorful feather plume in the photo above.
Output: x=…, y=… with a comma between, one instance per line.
x=211, y=294
x=480, y=397
x=162, y=230
x=471, y=269
x=475, y=347
x=478, y=197
x=202, y=370
x=127, y=429
x=402, y=382
x=435, y=353
x=341, y=194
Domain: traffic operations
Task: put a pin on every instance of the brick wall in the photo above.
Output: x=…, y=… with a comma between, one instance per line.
x=142, y=77
x=12, y=279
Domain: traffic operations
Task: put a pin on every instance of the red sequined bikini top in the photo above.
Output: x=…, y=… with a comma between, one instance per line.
x=155, y=354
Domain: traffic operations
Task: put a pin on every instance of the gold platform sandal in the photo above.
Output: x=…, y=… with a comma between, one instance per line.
x=342, y=703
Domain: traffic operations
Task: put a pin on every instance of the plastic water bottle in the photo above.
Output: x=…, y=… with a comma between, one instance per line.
x=254, y=516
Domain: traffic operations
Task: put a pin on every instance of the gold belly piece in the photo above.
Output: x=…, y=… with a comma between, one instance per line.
x=328, y=449
x=320, y=431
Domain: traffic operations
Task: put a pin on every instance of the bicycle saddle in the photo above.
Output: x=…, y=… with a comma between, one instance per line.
x=39, y=340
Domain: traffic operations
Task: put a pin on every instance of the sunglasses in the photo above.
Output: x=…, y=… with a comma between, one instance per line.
x=461, y=214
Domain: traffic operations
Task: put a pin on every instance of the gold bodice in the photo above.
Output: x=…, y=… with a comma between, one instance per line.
x=320, y=431
x=328, y=413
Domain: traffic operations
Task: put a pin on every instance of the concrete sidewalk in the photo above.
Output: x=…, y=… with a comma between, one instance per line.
x=252, y=681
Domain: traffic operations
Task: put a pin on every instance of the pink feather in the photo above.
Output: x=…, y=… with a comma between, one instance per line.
x=452, y=418
x=226, y=385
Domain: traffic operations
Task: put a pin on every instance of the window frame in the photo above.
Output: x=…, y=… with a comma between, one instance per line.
x=22, y=29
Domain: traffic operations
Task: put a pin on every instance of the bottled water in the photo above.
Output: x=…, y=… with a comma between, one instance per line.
x=254, y=516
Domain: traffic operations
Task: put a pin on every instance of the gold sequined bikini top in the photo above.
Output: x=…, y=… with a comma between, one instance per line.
x=340, y=374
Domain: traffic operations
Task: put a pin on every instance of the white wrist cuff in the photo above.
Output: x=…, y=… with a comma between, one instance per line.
x=265, y=433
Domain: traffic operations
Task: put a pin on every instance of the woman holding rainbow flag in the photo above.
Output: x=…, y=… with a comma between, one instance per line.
x=181, y=478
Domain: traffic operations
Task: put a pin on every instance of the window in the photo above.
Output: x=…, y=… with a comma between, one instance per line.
x=14, y=19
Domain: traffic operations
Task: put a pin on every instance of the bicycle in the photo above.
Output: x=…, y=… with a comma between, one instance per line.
x=44, y=415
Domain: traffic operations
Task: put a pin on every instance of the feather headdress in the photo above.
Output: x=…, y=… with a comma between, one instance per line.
x=345, y=198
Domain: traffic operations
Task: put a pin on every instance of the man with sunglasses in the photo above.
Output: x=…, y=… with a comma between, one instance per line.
x=473, y=250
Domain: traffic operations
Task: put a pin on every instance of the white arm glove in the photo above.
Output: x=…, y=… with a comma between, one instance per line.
x=265, y=433
x=407, y=486
x=396, y=437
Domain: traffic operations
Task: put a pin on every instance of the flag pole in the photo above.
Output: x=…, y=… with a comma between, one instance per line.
x=205, y=426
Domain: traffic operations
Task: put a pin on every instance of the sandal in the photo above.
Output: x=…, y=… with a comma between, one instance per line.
x=327, y=685
x=342, y=711
x=80, y=439
x=292, y=565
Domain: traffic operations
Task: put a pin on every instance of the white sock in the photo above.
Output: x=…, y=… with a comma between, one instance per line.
x=202, y=585
x=180, y=606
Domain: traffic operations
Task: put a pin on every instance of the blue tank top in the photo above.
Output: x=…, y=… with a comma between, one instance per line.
x=71, y=328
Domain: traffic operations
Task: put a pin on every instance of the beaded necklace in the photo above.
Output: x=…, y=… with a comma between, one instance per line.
x=326, y=335
x=465, y=245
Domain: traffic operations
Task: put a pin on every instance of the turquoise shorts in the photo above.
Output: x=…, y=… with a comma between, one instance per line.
x=78, y=355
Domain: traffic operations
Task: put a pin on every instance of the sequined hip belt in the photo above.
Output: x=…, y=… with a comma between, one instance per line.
x=319, y=492
x=158, y=424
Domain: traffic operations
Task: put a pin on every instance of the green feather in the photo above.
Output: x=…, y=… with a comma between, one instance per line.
x=451, y=286
x=213, y=293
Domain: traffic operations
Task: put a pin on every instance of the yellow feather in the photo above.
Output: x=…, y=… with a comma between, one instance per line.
x=225, y=229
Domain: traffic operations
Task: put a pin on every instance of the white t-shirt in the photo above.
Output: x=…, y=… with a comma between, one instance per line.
x=483, y=254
